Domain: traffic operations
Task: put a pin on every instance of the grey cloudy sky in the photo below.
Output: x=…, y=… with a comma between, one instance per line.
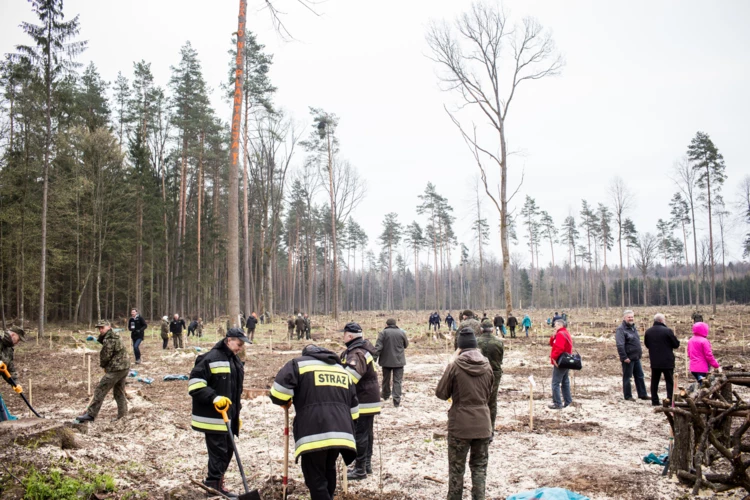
x=640, y=79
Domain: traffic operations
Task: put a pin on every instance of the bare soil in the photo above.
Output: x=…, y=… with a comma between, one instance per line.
x=595, y=447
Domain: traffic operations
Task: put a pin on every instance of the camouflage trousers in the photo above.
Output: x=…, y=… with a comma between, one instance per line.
x=493, y=398
x=115, y=382
x=478, y=451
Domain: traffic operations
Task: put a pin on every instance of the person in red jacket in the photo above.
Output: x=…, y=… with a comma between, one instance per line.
x=561, y=343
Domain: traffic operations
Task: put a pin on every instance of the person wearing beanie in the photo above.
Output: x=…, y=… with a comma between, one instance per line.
x=467, y=382
x=359, y=361
x=700, y=353
x=389, y=353
x=493, y=349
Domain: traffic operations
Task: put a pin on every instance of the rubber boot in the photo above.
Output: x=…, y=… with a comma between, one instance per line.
x=85, y=418
x=368, y=465
x=358, y=473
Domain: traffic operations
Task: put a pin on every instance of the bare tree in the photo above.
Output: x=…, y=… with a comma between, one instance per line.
x=472, y=57
x=684, y=178
x=622, y=201
x=645, y=256
x=743, y=204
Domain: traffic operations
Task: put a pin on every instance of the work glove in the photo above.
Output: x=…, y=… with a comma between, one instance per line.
x=18, y=389
x=222, y=402
x=718, y=369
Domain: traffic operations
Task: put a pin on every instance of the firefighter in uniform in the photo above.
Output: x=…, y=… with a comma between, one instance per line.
x=359, y=361
x=216, y=380
x=326, y=406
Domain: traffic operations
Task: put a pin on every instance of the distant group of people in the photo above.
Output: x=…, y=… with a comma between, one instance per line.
x=300, y=323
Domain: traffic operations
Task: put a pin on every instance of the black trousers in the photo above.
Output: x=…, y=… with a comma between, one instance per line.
x=164, y=343
x=363, y=435
x=220, y=453
x=319, y=469
x=656, y=374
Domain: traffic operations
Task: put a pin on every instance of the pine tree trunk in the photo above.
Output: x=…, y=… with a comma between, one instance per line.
x=45, y=179
x=198, y=233
x=233, y=261
x=711, y=241
x=246, y=213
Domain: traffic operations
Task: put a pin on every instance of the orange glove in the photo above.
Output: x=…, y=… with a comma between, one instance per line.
x=18, y=389
x=222, y=402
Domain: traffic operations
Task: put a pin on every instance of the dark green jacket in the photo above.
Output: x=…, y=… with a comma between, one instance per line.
x=493, y=349
x=6, y=353
x=113, y=357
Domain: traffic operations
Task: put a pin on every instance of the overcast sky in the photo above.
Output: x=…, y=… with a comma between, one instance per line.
x=640, y=79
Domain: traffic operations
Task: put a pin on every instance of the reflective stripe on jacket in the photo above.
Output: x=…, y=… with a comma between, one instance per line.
x=360, y=365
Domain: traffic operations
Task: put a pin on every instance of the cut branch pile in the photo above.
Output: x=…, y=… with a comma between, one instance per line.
x=709, y=451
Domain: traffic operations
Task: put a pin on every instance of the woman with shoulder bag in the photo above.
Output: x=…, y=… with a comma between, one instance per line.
x=561, y=344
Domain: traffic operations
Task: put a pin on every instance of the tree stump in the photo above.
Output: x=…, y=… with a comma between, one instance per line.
x=684, y=444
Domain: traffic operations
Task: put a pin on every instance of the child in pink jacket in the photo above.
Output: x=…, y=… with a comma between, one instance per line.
x=699, y=352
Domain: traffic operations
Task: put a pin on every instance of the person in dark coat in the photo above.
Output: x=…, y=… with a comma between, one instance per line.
x=175, y=327
x=512, y=324
x=498, y=323
x=192, y=327
x=252, y=322
x=389, y=352
x=216, y=382
x=137, y=326
x=450, y=321
x=661, y=343
x=630, y=352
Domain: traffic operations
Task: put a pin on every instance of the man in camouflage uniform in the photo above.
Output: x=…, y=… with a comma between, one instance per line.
x=199, y=328
x=165, y=332
x=493, y=349
x=307, y=327
x=468, y=318
x=8, y=340
x=114, y=359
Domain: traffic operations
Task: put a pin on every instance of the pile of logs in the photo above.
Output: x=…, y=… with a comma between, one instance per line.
x=709, y=422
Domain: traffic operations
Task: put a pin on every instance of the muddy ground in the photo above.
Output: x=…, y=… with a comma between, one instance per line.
x=594, y=447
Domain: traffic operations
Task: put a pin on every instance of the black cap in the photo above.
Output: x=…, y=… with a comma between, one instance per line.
x=238, y=334
x=352, y=328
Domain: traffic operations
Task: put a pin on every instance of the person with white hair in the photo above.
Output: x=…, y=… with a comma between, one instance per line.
x=164, y=332
x=630, y=351
x=661, y=343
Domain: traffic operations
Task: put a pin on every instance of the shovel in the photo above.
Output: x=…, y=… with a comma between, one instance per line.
x=285, y=479
x=248, y=495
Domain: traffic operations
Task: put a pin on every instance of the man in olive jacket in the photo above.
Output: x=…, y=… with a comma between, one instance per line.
x=493, y=349
x=389, y=351
x=114, y=359
x=468, y=383
x=661, y=343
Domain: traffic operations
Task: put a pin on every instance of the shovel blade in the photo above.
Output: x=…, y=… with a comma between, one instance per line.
x=250, y=495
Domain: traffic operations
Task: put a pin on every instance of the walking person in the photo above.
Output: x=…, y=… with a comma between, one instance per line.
x=390, y=355
x=526, y=324
x=512, y=324
x=499, y=324
x=299, y=324
x=467, y=382
x=359, y=361
x=252, y=322
x=176, y=326
x=661, y=343
x=164, y=332
x=450, y=322
x=199, y=327
x=630, y=352
x=493, y=349
x=192, y=327
x=290, y=328
x=137, y=326
x=561, y=343
x=307, y=327
x=113, y=358
x=700, y=353
x=326, y=406
x=216, y=381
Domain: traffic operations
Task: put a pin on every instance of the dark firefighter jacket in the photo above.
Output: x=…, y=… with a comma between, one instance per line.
x=325, y=402
x=359, y=362
x=219, y=372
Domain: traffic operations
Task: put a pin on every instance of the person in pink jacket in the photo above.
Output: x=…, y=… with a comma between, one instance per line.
x=700, y=353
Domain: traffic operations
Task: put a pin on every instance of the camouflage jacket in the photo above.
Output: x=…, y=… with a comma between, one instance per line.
x=6, y=353
x=473, y=324
x=164, y=329
x=493, y=349
x=113, y=357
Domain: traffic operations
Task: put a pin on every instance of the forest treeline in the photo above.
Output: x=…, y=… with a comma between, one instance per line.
x=114, y=195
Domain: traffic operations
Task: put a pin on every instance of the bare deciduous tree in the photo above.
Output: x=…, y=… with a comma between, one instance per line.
x=684, y=179
x=622, y=201
x=485, y=59
x=645, y=256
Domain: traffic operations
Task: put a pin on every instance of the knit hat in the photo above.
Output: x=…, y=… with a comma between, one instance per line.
x=467, y=339
x=487, y=325
x=390, y=322
x=468, y=313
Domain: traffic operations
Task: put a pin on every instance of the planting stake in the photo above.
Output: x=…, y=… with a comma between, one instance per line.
x=88, y=362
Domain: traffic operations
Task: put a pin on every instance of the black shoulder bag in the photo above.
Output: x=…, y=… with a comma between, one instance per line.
x=569, y=360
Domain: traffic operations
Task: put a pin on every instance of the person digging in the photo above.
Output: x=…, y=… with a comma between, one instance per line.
x=215, y=385
x=114, y=359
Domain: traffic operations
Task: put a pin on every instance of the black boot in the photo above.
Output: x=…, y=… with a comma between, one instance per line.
x=85, y=418
x=218, y=485
x=368, y=465
x=358, y=473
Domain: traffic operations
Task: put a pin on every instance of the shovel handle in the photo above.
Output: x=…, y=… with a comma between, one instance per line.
x=4, y=370
x=223, y=411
